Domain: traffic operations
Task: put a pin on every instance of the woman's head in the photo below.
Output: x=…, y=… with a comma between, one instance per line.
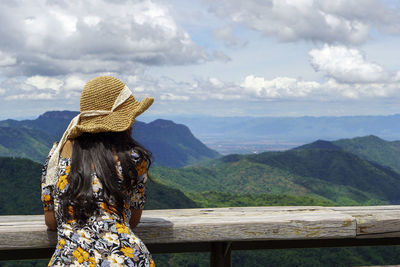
x=107, y=105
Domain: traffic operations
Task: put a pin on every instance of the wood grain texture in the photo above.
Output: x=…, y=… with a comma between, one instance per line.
x=375, y=221
x=228, y=224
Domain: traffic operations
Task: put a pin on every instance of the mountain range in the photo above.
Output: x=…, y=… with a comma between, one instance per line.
x=172, y=144
x=289, y=129
x=329, y=170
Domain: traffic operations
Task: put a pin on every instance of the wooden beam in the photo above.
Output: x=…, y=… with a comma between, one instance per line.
x=374, y=221
x=185, y=230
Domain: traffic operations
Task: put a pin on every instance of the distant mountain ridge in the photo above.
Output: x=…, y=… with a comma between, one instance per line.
x=319, y=144
x=371, y=147
x=295, y=129
x=172, y=144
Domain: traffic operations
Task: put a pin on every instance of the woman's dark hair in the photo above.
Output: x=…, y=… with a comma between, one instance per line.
x=94, y=152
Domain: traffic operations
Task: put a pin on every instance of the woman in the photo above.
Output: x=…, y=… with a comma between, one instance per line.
x=93, y=181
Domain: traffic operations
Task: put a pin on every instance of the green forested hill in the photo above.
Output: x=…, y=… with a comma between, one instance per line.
x=336, y=167
x=160, y=196
x=373, y=148
x=24, y=142
x=336, y=175
x=19, y=186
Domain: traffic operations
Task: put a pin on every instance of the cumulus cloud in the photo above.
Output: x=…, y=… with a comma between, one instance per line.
x=291, y=88
x=42, y=82
x=280, y=87
x=54, y=38
x=256, y=88
x=347, y=21
x=199, y=90
x=346, y=65
x=74, y=82
x=42, y=87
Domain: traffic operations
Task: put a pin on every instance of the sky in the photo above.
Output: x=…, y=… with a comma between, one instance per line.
x=204, y=57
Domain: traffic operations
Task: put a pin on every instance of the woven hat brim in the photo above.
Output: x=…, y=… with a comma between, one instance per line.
x=117, y=121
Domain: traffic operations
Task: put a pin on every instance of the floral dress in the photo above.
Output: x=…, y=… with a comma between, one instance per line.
x=106, y=240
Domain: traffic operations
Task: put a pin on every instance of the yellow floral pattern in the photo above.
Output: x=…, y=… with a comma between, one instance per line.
x=127, y=251
x=106, y=240
x=81, y=255
x=61, y=243
x=62, y=182
x=122, y=228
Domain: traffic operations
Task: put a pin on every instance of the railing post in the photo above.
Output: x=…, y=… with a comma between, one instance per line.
x=221, y=254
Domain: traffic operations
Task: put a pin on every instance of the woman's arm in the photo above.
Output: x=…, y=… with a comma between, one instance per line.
x=50, y=220
x=135, y=217
x=47, y=196
x=138, y=197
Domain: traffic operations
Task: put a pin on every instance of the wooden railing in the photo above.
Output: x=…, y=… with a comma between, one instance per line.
x=222, y=230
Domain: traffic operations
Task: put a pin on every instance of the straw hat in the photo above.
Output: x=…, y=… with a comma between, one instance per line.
x=100, y=94
x=107, y=105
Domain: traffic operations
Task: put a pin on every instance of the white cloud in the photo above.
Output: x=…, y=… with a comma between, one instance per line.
x=335, y=90
x=63, y=37
x=42, y=82
x=347, y=21
x=74, y=82
x=347, y=65
x=256, y=88
x=280, y=87
x=167, y=90
x=291, y=88
x=216, y=82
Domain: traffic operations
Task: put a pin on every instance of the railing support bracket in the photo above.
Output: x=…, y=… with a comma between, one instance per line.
x=221, y=254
